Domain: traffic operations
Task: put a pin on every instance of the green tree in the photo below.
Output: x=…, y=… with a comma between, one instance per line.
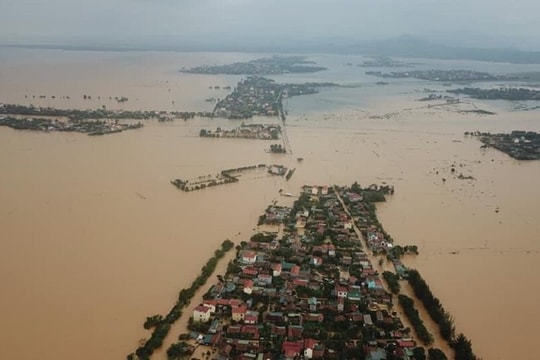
x=419, y=353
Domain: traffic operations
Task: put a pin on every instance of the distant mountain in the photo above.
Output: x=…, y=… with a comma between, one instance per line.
x=404, y=46
x=409, y=46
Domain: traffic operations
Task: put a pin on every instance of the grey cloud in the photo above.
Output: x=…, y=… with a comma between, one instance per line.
x=49, y=20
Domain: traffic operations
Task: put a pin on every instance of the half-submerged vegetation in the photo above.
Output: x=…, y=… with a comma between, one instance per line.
x=521, y=145
x=89, y=127
x=264, y=66
x=277, y=149
x=503, y=93
x=392, y=280
x=98, y=114
x=447, y=75
x=412, y=314
x=461, y=345
x=226, y=177
x=245, y=131
x=162, y=325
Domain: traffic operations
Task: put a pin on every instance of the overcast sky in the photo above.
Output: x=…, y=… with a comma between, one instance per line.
x=471, y=22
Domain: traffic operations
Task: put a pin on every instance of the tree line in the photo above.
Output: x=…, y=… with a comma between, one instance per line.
x=461, y=345
x=412, y=314
x=162, y=325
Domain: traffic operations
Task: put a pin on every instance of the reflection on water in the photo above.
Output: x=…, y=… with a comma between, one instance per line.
x=94, y=238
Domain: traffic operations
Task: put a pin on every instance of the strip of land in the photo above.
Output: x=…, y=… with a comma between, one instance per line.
x=308, y=287
x=447, y=75
x=503, y=93
x=89, y=127
x=274, y=65
x=229, y=176
x=521, y=145
x=260, y=96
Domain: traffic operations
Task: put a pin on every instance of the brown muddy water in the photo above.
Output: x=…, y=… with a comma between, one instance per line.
x=93, y=238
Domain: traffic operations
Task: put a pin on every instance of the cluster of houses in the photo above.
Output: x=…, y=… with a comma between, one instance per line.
x=246, y=131
x=252, y=96
x=309, y=291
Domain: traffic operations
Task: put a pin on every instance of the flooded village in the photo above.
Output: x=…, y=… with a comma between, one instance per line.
x=311, y=286
x=319, y=278
x=230, y=176
x=259, y=96
x=521, y=145
x=245, y=131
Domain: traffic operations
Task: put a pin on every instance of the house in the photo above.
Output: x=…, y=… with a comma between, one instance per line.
x=374, y=284
x=379, y=316
x=278, y=330
x=202, y=313
x=301, y=222
x=238, y=313
x=248, y=256
x=294, y=318
x=215, y=327
x=315, y=190
x=324, y=190
x=248, y=286
x=251, y=317
x=225, y=350
x=316, y=261
x=378, y=354
x=314, y=285
x=346, y=260
x=341, y=291
x=295, y=332
x=300, y=282
x=251, y=331
x=314, y=317
x=211, y=339
x=234, y=330
x=312, y=302
x=276, y=269
x=247, y=356
x=295, y=270
x=367, y=319
x=292, y=350
x=275, y=316
x=211, y=304
x=407, y=344
x=340, y=304
x=331, y=250
x=309, y=346
x=318, y=351
x=250, y=271
x=356, y=317
x=264, y=279
x=354, y=294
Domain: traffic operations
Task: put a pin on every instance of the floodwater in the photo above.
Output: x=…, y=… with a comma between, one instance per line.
x=93, y=238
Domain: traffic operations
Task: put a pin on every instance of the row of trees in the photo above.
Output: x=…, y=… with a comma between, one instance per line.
x=461, y=345
x=433, y=354
x=161, y=324
x=103, y=113
x=432, y=305
x=412, y=314
x=179, y=350
x=437, y=354
x=392, y=280
x=397, y=251
x=277, y=149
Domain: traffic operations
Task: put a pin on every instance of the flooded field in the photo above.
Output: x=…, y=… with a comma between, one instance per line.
x=94, y=238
